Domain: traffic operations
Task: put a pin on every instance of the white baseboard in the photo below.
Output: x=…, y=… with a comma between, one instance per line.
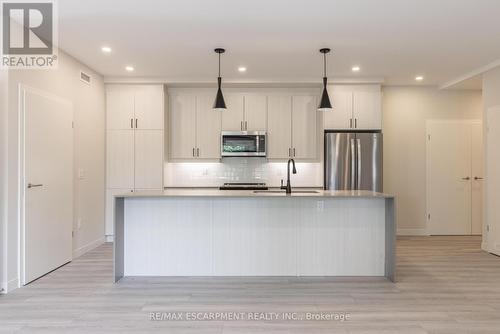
x=84, y=249
x=6, y=287
x=413, y=231
x=110, y=238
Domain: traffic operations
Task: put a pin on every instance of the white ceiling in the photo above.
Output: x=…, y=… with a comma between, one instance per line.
x=277, y=40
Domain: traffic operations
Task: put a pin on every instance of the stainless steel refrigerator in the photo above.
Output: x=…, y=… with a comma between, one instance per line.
x=353, y=160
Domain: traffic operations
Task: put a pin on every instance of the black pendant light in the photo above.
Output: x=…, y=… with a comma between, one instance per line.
x=219, y=98
x=325, y=99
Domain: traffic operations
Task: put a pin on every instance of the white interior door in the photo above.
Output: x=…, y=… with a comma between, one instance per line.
x=48, y=184
x=477, y=175
x=449, y=177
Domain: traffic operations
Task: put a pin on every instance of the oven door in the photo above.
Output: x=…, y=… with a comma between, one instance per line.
x=243, y=144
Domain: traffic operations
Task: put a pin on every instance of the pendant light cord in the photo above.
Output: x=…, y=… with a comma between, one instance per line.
x=219, y=65
x=324, y=64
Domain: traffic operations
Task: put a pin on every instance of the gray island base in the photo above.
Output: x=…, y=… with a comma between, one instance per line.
x=190, y=232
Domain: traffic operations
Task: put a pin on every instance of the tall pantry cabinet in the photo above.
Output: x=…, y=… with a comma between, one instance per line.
x=134, y=142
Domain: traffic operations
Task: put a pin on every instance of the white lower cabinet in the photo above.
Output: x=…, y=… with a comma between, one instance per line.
x=148, y=157
x=120, y=159
x=110, y=209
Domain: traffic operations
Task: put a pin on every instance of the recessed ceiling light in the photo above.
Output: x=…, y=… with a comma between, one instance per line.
x=129, y=68
x=106, y=49
x=356, y=68
x=419, y=78
x=242, y=69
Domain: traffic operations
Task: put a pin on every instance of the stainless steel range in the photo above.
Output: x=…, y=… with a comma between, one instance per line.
x=244, y=186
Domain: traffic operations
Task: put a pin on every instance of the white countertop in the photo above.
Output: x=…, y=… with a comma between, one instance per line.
x=211, y=192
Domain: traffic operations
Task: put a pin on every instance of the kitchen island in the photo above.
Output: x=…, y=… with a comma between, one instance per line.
x=208, y=232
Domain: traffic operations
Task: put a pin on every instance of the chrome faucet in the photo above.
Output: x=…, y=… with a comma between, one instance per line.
x=288, y=187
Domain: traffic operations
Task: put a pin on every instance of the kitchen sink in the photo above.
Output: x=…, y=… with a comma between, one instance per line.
x=283, y=192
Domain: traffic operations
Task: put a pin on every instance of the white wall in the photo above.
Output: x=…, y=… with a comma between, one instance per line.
x=3, y=177
x=89, y=116
x=406, y=110
x=491, y=96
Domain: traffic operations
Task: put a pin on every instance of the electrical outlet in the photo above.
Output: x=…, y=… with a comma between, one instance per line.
x=320, y=206
x=81, y=173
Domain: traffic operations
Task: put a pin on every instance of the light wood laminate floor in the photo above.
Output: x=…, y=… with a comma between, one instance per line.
x=445, y=285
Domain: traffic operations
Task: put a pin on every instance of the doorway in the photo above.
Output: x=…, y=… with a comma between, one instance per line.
x=46, y=184
x=454, y=177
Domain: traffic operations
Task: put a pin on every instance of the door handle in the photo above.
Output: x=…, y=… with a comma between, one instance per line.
x=466, y=178
x=359, y=163
x=353, y=165
x=477, y=178
x=30, y=185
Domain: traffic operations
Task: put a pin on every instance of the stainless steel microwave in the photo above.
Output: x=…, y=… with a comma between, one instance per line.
x=243, y=144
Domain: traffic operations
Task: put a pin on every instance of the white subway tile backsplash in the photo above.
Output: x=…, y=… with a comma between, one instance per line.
x=214, y=174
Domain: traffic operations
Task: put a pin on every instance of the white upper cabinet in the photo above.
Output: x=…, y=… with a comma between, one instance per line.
x=340, y=117
x=367, y=110
x=208, y=128
x=279, y=127
x=245, y=113
x=255, y=112
x=233, y=116
x=134, y=107
x=149, y=107
x=292, y=127
x=357, y=107
x=195, y=128
x=182, y=126
x=119, y=108
x=304, y=124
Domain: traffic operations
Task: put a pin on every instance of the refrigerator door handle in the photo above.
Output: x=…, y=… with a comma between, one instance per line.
x=359, y=163
x=353, y=165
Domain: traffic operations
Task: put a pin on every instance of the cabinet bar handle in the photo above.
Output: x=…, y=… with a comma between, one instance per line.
x=246, y=125
x=289, y=152
x=294, y=152
x=136, y=123
x=356, y=123
x=131, y=123
x=198, y=152
x=350, y=122
x=193, y=151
